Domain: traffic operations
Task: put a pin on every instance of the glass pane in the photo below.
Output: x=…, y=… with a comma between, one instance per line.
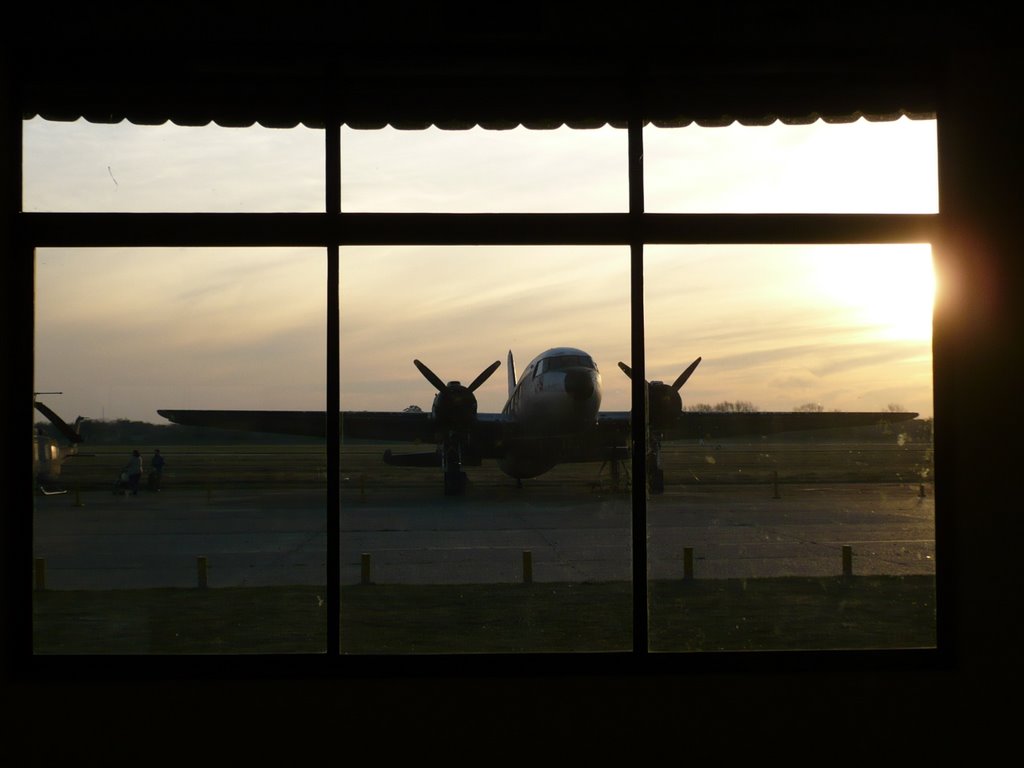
x=127, y=168
x=779, y=525
x=529, y=551
x=562, y=170
x=859, y=167
x=224, y=549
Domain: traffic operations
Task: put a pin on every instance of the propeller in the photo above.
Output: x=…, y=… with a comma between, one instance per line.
x=454, y=404
x=664, y=402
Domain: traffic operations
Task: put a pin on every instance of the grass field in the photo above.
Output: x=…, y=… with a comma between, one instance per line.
x=304, y=465
x=756, y=614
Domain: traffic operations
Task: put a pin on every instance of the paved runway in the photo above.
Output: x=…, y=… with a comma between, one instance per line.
x=416, y=535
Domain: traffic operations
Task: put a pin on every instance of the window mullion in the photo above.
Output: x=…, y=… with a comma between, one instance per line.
x=333, y=384
x=639, y=387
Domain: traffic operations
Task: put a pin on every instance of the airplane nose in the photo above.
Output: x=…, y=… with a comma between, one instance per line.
x=579, y=385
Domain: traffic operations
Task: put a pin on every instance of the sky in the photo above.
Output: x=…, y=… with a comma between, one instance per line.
x=123, y=332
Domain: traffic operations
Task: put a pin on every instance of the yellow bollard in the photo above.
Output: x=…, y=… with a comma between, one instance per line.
x=40, y=574
x=688, y=563
x=201, y=568
x=527, y=567
x=78, y=497
x=365, y=563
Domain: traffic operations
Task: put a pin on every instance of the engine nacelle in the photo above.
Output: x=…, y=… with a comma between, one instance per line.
x=454, y=408
x=664, y=405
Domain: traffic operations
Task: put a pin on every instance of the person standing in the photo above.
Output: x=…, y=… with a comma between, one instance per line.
x=134, y=472
x=156, y=470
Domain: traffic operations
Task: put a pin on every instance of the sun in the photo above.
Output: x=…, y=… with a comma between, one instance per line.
x=889, y=289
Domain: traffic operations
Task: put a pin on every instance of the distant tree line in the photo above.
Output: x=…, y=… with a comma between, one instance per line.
x=745, y=406
x=726, y=406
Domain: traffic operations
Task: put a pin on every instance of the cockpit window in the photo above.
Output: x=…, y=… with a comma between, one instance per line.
x=563, y=362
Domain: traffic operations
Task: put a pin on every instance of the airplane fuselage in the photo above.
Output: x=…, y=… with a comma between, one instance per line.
x=552, y=407
x=46, y=458
x=47, y=453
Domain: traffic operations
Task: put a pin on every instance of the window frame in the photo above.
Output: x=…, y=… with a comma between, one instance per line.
x=334, y=229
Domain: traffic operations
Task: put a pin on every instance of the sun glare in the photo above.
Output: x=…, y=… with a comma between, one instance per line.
x=889, y=289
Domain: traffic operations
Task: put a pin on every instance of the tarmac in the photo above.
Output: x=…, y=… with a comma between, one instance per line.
x=413, y=534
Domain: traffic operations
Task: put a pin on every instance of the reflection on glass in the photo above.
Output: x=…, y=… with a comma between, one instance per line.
x=224, y=550
x=815, y=536
x=122, y=167
x=562, y=170
x=859, y=167
x=503, y=531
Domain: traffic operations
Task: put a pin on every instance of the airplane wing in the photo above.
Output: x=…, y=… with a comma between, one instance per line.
x=411, y=427
x=458, y=433
x=668, y=418
x=308, y=423
x=419, y=427
x=691, y=424
x=710, y=425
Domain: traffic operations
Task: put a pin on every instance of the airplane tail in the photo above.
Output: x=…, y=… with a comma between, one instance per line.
x=511, y=374
x=71, y=433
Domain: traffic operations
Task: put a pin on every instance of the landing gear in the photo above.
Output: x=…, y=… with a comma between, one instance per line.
x=454, y=483
x=618, y=469
x=451, y=463
x=657, y=481
x=655, y=473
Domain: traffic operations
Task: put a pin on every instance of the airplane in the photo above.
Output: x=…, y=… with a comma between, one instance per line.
x=552, y=416
x=48, y=454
